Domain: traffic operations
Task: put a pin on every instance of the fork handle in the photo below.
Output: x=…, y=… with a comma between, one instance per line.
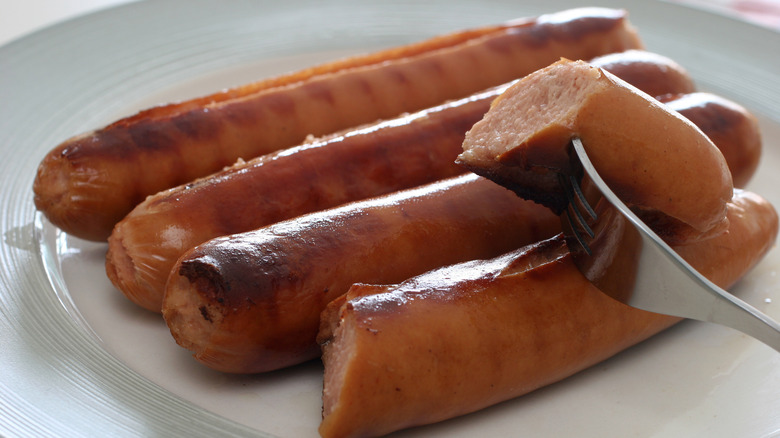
x=707, y=302
x=659, y=275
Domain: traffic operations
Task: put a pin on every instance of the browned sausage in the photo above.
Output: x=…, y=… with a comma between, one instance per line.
x=644, y=70
x=376, y=159
x=654, y=159
x=464, y=337
x=248, y=338
x=729, y=125
x=251, y=302
x=89, y=182
x=253, y=268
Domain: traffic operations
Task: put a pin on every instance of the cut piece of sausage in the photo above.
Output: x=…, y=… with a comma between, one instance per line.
x=655, y=160
x=464, y=337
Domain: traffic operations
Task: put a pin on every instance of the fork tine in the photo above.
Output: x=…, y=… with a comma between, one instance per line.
x=577, y=235
x=581, y=197
x=577, y=222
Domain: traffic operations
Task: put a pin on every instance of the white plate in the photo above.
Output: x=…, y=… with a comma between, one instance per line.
x=78, y=360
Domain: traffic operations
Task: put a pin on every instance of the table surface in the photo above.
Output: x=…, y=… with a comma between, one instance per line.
x=22, y=17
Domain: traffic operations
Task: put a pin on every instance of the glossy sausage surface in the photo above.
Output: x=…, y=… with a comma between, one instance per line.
x=89, y=182
x=464, y=337
x=251, y=302
x=729, y=125
x=652, y=73
x=239, y=339
x=370, y=161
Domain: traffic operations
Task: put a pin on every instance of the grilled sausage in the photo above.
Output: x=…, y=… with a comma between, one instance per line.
x=88, y=183
x=263, y=273
x=251, y=302
x=649, y=155
x=729, y=125
x=240, y=340
x=376, y=159
x=652, y=73
x=464, y=337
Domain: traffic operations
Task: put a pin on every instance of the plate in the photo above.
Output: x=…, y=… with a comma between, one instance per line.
x=79, y=360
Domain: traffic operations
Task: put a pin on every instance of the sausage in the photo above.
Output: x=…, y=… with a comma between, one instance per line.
x=729, y=125
x=464, y=337
x=652, y=73
x=524, y=148
x=203, y=319
x=251, y=302
x=89, y=182
x=248, y=268
x=371, y=161
x=366, y=162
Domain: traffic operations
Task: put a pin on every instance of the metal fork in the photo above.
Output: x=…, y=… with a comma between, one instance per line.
x=625, y=259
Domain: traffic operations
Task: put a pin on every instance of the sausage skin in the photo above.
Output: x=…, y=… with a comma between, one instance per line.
x=251, y=302
x=524, y=148
x=464, y=337
x=729, y=125
x=652, y=73
x=377, y=159
x=248, y=339
x=89, y=182
x=366, y=162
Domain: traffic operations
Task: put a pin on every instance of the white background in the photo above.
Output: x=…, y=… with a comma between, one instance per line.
x=19, y=17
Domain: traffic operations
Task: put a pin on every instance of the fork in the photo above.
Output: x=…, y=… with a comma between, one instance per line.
x=625, y=259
